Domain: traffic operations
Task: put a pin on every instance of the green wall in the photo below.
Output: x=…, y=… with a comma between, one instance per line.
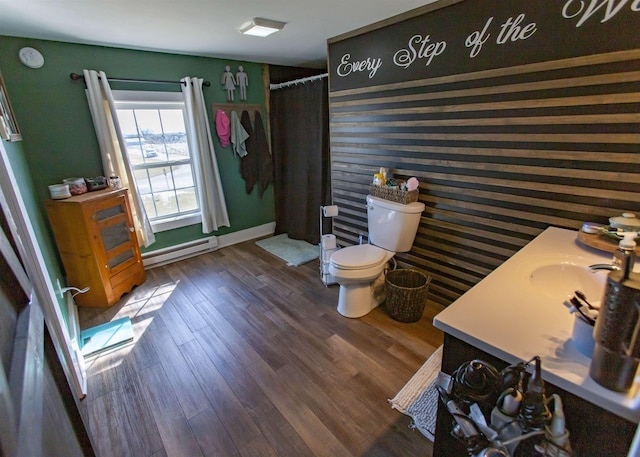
x=59, y=140
x=58, y=136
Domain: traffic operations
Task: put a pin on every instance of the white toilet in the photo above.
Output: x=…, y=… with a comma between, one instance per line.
x=392, y=228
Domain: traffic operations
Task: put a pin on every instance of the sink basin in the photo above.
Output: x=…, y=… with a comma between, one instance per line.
x=559, y=278
x=561, y=281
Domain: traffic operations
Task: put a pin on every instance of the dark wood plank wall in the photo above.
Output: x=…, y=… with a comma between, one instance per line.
x=501, y=154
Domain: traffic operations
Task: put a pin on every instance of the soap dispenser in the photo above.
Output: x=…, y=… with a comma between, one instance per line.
x=625, y=256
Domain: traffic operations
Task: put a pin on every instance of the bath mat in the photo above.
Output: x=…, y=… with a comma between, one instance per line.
x=294, y=252
x=418, y=399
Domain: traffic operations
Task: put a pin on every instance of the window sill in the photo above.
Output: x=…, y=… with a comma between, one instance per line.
x=175, y=222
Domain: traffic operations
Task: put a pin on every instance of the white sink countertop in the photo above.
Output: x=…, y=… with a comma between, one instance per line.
x=509, y=317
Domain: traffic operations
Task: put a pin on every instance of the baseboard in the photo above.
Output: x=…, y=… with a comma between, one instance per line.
x=183, y=251
x=247, y=234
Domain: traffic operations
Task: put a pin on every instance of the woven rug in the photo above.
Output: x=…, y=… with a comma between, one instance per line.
x=294, y=252
x=418, y=399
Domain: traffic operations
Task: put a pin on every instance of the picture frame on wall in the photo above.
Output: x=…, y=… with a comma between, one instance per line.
x=9, y=130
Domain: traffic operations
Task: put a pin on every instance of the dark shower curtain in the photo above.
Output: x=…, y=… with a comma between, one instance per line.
x=300, y=150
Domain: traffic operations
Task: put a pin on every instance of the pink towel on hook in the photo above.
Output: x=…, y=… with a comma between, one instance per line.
x=222, y=128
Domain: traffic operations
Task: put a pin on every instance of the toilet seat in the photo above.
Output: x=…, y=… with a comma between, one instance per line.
x=359, y=257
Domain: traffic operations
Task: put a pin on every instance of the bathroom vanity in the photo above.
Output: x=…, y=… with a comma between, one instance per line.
x=518, y=312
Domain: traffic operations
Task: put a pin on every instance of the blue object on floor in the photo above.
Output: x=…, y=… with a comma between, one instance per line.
x=106, y=336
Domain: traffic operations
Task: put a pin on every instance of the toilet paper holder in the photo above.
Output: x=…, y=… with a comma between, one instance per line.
x=329, y=211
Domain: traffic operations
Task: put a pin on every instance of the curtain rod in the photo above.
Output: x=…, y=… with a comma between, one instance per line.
x=297, y=81
x=77, y=77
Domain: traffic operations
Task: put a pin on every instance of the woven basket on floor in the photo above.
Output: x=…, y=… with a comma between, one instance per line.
x=395, y=195
x=407, y=292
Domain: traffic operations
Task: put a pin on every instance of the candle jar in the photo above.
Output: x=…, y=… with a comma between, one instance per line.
x=114, y=182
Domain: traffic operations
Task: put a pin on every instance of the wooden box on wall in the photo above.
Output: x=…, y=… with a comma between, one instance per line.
x=96, y=239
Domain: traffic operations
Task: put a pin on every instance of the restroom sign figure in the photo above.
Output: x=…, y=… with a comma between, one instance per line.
x=228, y=83
x=242, y=80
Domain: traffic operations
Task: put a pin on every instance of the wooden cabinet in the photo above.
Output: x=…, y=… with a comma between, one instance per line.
x=97, y=243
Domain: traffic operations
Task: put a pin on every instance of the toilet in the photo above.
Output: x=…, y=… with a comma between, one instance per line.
x=392, y=228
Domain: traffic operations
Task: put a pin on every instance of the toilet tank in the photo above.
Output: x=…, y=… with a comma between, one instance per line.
x=393, y=226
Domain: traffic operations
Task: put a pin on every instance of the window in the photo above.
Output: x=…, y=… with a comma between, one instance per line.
x=153, y=127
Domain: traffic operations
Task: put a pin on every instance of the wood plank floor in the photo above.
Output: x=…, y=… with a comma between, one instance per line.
x=238, y=354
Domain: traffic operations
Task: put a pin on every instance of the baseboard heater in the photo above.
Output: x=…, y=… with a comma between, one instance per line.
x=179, y=252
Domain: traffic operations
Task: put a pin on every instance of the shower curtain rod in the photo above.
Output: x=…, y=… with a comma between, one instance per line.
x=77, y=77
x=297, y=81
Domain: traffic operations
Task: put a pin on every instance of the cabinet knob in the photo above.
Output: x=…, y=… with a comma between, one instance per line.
x=131, y=229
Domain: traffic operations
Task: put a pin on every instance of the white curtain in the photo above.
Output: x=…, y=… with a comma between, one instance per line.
x=114, y=154
x=212, y=202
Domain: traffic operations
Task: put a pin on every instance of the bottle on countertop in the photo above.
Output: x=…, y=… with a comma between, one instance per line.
x=625, y=256
x=533, y=410
x=616, y=355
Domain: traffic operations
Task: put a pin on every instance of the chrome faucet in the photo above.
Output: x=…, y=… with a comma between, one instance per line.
x=604, y=266
x=623, y=259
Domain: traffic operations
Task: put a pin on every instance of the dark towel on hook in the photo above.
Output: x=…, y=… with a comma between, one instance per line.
x=262, y=150
x=249, y=164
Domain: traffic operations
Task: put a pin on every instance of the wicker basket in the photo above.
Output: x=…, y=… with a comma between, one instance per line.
x=407, y=292
x=395, y=195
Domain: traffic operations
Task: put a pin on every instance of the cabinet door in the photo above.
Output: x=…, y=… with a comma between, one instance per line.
x=115, y=234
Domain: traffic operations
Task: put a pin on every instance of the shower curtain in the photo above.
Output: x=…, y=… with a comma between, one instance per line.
x=300, y=148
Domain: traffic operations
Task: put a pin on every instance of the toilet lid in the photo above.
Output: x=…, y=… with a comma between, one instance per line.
x=358, y=257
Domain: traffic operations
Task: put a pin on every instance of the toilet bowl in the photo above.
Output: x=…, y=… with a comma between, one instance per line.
x=356, y=268
x=392, y=228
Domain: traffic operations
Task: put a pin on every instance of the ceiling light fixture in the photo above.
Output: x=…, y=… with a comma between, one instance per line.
x=260, y=27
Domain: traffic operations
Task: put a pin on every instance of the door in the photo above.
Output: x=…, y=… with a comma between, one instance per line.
x=14, y=209
x=36, y=406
